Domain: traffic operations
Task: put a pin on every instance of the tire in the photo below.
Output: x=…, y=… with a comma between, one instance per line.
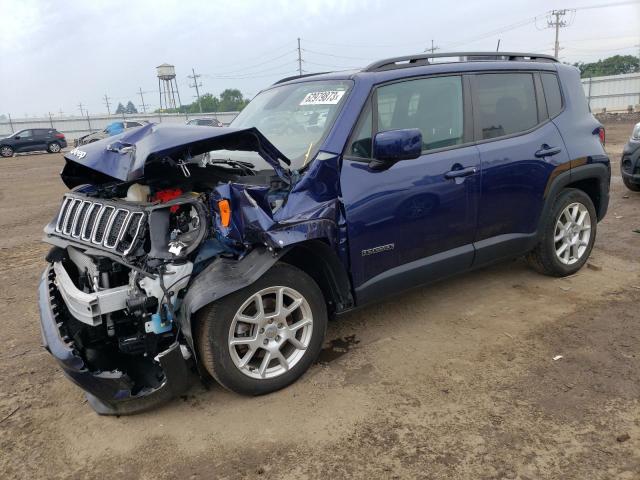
x=634, y=187
x=6, y=151
x=232, y=365
x=577, y=239
x=53, y=147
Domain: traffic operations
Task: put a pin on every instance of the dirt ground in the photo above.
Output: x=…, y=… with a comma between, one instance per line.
x=456, y=380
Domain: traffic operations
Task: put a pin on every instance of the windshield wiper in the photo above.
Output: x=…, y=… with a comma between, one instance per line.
x=246, y=167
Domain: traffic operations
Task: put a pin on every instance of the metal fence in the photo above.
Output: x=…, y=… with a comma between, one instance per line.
x=74, y=127
x=613, y=93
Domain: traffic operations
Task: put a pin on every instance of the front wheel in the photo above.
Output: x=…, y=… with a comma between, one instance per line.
x=265, y=336
x=53, y=147
x=568, y=235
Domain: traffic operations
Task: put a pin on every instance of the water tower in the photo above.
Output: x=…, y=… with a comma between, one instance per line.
x=168, y=87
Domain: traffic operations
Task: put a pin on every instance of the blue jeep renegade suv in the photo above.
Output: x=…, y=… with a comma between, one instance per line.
x=224, y=251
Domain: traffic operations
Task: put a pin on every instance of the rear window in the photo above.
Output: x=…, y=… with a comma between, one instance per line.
x=552, y=93
x=506, y=104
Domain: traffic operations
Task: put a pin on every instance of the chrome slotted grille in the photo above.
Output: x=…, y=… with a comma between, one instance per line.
x=102, y=224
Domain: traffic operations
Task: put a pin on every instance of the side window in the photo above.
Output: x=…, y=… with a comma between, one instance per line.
x=552, y=93
x=506, y=103
x=26, y=134
x=361, y=140
x=434, y=105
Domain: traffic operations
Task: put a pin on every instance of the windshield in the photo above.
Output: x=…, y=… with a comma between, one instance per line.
x=295, y=118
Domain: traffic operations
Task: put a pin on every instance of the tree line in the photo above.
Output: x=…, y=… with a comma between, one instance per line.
x=616, y=65
x=230, y=100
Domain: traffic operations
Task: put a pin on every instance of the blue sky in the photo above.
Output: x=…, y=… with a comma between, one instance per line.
x=54, y=55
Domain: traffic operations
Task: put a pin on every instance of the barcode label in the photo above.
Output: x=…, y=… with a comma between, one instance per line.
x=329, y=97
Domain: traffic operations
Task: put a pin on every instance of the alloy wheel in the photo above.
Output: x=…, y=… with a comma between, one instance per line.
x=270, y=332
x=6, y=151
x=54, y=148
x=572, y=233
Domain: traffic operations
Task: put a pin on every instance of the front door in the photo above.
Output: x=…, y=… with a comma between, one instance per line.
x=415, y=221
x=25, y=141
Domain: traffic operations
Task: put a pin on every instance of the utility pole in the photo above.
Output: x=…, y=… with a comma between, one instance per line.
x=195, y=85
x=558, y=23
x=106, y=102
x=498, y=46
x=81, y=110
x=299, y=58
x=144, y=107
x=50, y=120
x=433, y=48
x=60, y=112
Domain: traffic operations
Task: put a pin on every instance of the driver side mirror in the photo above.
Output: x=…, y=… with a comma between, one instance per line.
x=17, y=137
x=394, y=145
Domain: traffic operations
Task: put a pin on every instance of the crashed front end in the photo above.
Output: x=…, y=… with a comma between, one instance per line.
x=148, y=217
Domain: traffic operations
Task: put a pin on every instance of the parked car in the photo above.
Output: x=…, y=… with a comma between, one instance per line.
x=630, y=163
x=113, y=128
x=227, y=250
x=205, y=122
x=32, y=140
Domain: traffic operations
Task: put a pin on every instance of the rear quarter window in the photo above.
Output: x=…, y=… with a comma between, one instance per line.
x=552, y=94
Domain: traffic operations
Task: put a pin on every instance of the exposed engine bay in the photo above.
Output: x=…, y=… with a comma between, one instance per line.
x=122, y=264
x=158, y=223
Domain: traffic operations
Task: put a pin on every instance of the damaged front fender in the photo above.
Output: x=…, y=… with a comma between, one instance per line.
x=311, y=210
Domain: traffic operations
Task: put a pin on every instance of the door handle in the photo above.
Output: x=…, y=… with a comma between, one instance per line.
x=463, y=172
x=547, y=151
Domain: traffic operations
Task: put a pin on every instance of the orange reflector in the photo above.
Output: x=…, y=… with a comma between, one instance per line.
x=225, y=212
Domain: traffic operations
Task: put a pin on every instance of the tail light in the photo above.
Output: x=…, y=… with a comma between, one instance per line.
x=59, y=135
x=601, y=135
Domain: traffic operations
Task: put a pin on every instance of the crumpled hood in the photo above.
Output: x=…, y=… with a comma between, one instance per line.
x=124, y=156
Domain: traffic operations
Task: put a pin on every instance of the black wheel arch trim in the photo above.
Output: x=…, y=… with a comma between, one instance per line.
x=219, y=279
x=587, y=169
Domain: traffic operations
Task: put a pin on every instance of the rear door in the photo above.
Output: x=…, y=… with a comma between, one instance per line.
x=42, y=137
x=415, y=221
x=520, y=151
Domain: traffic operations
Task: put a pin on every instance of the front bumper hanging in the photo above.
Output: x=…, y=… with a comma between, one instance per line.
x=108, y=392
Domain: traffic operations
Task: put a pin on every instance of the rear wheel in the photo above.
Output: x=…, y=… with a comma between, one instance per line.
x=53, y=147
x=6, y=151
x=568, y=235
x=265, y=336
x=634, y=187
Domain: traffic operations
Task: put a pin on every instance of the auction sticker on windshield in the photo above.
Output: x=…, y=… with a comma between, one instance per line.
x=328, y=97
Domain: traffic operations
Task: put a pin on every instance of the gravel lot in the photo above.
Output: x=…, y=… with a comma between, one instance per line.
x=453, y=381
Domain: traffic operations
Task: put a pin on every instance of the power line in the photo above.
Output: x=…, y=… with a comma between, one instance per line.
x=335, y=56
x=106, y=102
x=248, y=74
x=195, y=85
x=253, y=65
x=604, y=5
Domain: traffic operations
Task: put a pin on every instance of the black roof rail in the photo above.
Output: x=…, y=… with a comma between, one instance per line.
x=423, y=59
x=294, y=77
